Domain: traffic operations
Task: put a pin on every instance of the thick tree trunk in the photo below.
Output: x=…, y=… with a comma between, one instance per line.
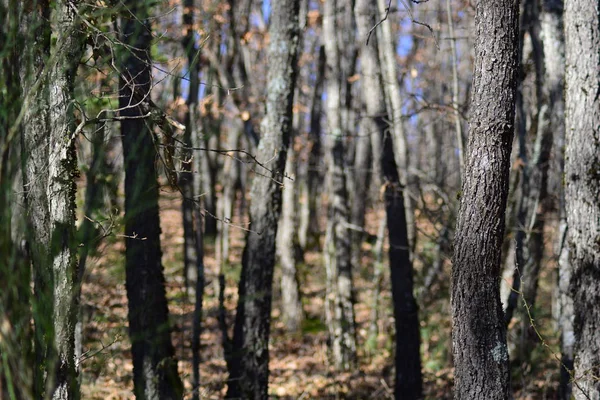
x=408, y=361
x=582, y=195
x=49, y=173
x=249, y=375
x=62, y=169
x=479, y=334
x=154, y=366
x=339, y=297
x=34, y=158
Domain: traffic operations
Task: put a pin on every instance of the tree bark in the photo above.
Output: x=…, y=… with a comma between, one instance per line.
x=479, y=334
x=49, y=182
x=62, y=169
x=250, y=367
x=582, y=195
x=339, y=297
x=154, y=366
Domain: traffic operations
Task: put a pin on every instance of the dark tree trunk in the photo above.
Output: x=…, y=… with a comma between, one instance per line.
x=192, y=220
x=582, y=195
x=154, y=366
x=249, y=374
x=186, y=178
x=479, y=335
x=339, y=298
x=387, y=55
x=408, y=360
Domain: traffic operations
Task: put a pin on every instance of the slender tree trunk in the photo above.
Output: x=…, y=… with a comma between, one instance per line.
x=286, y=243
x=250, y=373
x=185, y=177
x=408, y=361
x=479, y=334
x=387, y=55
x=154, y=366
x=309, y=216
x=582, y=176
x=192, y=220
x=339, y=297
x=362, y=177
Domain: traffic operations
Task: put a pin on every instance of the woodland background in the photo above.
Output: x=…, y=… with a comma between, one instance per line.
x=158, y=158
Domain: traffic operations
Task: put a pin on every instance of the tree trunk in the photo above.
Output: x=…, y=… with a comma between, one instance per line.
x=339, y=297
x=49, y=173
x=479, y=334
x=309, y=216
x=362, y=172
x=291, y=308
x=249, y=375
x=582, y=195
x=192, y=220
x=61, y=196
x=408, y=361
x=154, y=366
x=185, y=176
x=387, y=55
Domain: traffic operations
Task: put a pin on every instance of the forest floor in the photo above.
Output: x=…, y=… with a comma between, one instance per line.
x=299, y=365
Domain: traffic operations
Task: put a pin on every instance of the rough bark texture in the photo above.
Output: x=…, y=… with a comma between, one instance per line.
x=479, y=335
x=49, y=183
x=154, y=367
x=249, y=375
x=582, y=176
x=34, y=147
x=62, y=172
x=408, y=362
x=339, y=297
